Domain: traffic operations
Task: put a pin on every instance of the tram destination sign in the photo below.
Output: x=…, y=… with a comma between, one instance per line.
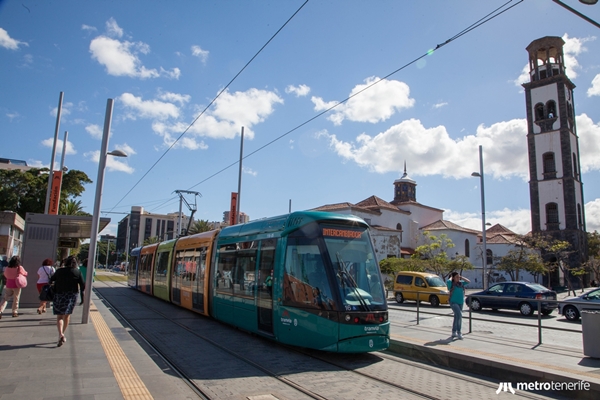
x=342, y=233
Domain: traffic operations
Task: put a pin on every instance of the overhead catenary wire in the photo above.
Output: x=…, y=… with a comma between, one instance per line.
x=488, y=17
x=493, y=14
x=210, y=104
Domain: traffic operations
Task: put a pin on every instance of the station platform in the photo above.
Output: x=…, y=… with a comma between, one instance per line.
x=105, y=360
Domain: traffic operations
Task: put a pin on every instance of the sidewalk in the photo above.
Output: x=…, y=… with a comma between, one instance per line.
x=32, y=367
x=499, y=358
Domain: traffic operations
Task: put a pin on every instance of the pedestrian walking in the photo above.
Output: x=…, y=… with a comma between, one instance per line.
x=13, y=270
x=3, y=264
x=44, y=274
x=67, y=283
x=456, y=285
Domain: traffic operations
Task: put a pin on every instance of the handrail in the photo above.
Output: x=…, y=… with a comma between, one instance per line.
x=471, y=318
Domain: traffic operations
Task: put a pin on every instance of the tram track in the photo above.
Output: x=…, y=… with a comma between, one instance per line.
x=365, y=370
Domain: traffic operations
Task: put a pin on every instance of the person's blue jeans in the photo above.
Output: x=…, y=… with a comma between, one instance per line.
x=457, y=324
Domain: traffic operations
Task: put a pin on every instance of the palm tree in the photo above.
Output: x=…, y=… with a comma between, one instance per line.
x=199, y=226
x=72, y=207
x=151, y=240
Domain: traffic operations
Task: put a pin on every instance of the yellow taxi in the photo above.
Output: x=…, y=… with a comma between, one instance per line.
x=429, y=287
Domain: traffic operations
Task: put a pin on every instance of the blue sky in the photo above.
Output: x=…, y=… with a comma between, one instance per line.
x=164, y=62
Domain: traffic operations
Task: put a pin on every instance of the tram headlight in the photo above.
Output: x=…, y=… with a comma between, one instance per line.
x=347, y=317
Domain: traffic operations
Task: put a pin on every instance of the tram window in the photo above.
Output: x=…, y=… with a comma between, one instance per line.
x=305, y=281
x=160, y=277
x=236, y=268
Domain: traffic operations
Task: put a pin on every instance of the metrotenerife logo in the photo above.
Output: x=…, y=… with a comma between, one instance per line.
x=542, y=386
x=505, y=387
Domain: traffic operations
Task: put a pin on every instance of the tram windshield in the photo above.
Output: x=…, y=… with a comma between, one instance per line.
x=332, y=268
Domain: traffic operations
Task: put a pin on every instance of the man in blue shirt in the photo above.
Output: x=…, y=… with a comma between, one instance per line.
x=456, y=285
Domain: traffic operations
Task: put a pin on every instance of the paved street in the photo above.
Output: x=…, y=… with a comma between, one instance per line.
x=502, y=323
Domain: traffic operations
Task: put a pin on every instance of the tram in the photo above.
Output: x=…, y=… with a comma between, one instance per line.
x=308, y=279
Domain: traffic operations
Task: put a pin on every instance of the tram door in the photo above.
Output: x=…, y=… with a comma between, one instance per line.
x=266, y=266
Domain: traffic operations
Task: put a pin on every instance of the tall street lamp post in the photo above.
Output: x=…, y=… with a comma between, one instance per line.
x=483, y=233
x=96, y=214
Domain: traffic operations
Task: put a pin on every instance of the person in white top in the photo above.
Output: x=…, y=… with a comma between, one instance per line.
x=44, y=274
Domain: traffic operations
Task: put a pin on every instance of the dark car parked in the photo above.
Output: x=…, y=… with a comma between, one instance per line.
x=514, y=296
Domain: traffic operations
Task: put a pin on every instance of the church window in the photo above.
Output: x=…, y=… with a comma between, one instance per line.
x=549, y=165
x=551, y=109
x=575, y=167
x=399, y=227
x=467, y=248
x=539, y=111
x=552, y=222
x=579, y=217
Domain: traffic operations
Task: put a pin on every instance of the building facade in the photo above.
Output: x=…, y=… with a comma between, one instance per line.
x=12, y=228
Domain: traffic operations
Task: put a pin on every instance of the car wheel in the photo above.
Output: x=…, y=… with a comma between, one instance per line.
x=526, y=309
x=399, y=298
x=475, y=305
x=546, y=312
x=571, y=313
x=434, y=300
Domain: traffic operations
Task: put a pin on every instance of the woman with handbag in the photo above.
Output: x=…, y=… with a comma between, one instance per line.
x=16, y=279
x=44, y=274
x=67, y=283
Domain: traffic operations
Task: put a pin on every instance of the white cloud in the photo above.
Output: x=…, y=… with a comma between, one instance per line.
x=65, y=110
x=95, y=131
x=594, y=90
x=121, y=57
x=37, y=164
x=13, y=115
x=153, y=109
x=589, y=143
x=431, y=151
x=299, y=91
x=175, y=97
x=377, y=104
x=592, y=216
x=88, y=28
x=201, y=54
x=9, y=43
x=440, y=105
x=113, y=29
x=59, y=145
x=230, y=112
x=249, y=171
x=112, y=163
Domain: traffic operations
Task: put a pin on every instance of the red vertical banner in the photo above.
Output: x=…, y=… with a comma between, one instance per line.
x=233, y=208
x=55, y=192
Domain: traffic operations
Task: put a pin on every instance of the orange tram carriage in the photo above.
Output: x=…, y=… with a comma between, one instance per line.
x=308, y=279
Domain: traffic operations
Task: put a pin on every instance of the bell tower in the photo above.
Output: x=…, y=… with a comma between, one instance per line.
x=555, y=187
x=405, y=189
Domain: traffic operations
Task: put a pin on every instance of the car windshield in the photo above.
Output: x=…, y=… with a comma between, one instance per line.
x=435, y=281
x=537, y=288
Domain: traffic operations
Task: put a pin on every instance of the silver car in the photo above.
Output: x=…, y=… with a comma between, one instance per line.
x=587, y=301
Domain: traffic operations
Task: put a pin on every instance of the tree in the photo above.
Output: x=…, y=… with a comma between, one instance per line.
x=199, y=226
x=555, y=254
x=391, y=266
x=522, y=257
x=25, y=191
x=72, y=207
x=151, y=240
x=434, y=254
x=593, y=264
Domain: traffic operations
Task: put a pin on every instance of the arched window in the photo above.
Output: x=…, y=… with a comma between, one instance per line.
x=549, y=165
x=551, y=109
x=539, y=111
x=552, y=222
x=579, y=217
x=575, y=167
x=467, y=248
x=399, y=227
x=490, y=257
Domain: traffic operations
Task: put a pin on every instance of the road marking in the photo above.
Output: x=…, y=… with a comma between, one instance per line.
x=129, y=381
